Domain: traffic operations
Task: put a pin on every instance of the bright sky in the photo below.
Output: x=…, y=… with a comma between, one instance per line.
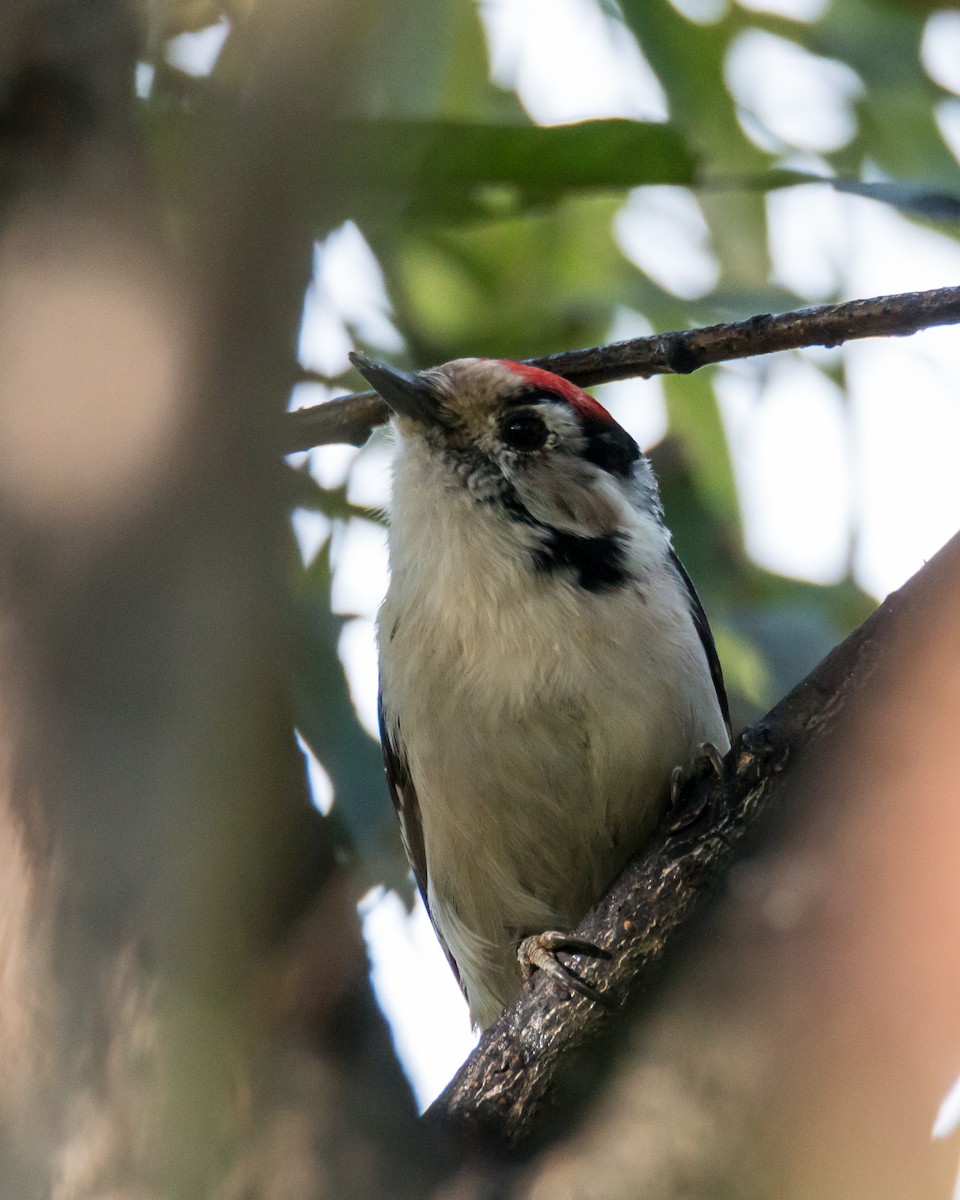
x=812, y=468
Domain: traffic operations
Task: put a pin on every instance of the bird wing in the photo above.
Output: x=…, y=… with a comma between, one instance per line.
x=407, y=807
x=706, y=637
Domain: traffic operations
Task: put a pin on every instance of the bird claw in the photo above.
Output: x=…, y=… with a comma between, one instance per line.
x=706, y=755
x=540, y=950
x=677, y=778
x=707, y=752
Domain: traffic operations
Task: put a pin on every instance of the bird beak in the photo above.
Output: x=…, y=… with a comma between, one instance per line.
x=408, y=395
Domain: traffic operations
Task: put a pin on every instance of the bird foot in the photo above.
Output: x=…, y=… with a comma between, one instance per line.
x=707, y=755
x=541, y=950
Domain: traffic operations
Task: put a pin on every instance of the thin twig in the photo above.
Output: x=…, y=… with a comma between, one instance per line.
x=350, y=418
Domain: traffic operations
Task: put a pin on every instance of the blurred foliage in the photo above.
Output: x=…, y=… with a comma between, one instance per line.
x=496, y=236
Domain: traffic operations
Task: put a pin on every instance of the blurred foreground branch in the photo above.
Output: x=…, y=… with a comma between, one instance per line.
x=184, y=1004
x=350, y=418
x=544, y=1046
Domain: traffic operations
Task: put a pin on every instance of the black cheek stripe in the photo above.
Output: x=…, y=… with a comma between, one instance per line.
x=598, y=562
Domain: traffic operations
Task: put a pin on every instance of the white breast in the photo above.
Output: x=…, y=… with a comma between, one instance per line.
x=540, y=721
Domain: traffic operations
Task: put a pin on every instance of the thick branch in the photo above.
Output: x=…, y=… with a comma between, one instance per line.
x=523, y=1064
x=350, y=418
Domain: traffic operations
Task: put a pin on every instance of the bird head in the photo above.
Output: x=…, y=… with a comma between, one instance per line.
x=521, y=440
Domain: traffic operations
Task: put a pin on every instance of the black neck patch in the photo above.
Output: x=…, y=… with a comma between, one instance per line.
x=599, y=562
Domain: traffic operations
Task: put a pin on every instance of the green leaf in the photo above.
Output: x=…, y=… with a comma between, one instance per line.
x=589, y=154
x=428, y=59
x=694, y=417
x=511, y=288
x=456, y=168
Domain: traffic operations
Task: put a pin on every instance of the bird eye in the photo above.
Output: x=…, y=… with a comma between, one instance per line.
x=524, y=431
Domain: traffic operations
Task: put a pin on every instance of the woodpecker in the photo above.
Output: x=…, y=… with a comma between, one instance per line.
x=546, y=667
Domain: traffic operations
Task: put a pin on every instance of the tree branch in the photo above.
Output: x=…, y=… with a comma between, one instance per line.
x=350, y=418
x=524, y=1065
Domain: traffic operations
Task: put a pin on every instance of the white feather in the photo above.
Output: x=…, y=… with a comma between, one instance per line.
x=540, y=721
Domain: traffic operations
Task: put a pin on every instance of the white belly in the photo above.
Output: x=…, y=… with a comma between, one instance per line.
x=541, y=757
